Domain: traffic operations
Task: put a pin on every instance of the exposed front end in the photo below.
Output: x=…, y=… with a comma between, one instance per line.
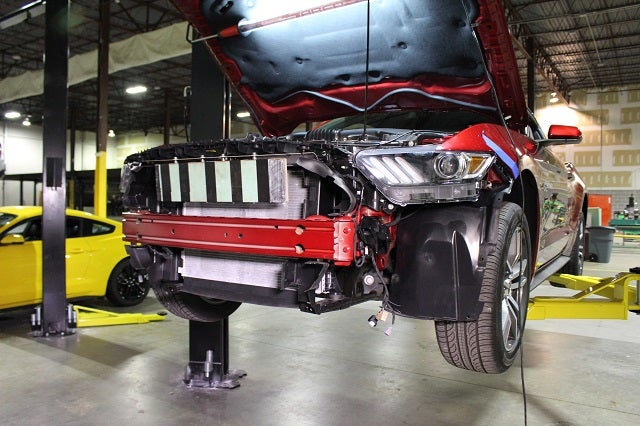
x=315, y=224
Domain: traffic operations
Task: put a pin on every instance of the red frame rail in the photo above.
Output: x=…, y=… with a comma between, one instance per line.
x=316, y=237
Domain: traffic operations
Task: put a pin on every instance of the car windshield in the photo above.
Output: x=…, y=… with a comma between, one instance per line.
x=6, y=218
x=441, y=121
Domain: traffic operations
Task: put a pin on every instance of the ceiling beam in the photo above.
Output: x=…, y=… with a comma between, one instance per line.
x=541, y=60
x=161, y=44
x=606, y=10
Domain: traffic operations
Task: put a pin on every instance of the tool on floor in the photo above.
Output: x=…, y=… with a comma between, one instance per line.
x=91, y=317
x=83, y=316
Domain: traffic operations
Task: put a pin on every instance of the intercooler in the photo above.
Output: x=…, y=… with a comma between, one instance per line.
x=245, y=269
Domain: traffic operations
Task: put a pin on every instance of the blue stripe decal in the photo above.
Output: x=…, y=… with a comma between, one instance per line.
x=503, y=156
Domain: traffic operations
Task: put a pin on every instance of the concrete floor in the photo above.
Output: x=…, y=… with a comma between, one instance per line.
x=321, y=370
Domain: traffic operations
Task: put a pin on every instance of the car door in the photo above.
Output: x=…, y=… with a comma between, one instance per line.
x=21, y=266
x=78, y=258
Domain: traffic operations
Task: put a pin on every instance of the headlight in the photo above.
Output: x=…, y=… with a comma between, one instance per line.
x=422, y=174
x=450, y=165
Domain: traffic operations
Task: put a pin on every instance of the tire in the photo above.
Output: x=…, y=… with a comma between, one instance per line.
x=126, y=286
x=490, y=343
x=193, y=307
x=575, y=265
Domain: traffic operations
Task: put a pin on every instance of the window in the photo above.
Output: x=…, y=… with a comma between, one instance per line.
x=74, y=227
x=93, y=227
x=6, y=218
x=30, y=229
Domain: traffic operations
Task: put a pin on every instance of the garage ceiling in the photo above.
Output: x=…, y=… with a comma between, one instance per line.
x=577, y=44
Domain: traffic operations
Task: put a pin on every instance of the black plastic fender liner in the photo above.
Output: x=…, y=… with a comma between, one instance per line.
x=439, y=263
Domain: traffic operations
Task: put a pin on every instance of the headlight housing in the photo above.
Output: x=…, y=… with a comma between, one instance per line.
x=419, y=175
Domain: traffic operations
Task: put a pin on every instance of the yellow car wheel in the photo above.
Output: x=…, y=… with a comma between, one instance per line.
x=126, y=286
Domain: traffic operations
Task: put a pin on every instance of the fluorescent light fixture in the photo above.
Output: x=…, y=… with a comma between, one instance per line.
x=26, y=122
x=111, y=133
x=243, y=114
x=134, y=90
x=12, y=115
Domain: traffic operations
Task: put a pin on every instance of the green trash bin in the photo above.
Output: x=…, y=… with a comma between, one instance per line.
x=600, y=243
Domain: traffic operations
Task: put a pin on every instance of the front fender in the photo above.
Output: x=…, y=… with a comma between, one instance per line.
x=440, y=263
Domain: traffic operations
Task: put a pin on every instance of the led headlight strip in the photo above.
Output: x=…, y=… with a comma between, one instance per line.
x=422, y=174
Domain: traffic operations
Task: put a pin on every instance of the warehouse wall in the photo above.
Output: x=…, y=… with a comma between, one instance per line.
x=22, y=152
x=21, y=149
x=608, y=158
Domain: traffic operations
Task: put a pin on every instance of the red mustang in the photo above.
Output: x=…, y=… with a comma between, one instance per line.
x=429, y=188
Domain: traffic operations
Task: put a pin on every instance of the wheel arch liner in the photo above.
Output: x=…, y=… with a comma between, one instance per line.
x=440, y=264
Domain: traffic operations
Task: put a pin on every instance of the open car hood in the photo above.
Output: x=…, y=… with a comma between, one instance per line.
x=297, y=61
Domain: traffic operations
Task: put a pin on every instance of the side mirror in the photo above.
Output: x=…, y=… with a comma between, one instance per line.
x=12, y=239
x=563, y=135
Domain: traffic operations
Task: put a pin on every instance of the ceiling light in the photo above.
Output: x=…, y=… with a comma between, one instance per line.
x=554, y=98
x=111, y=133
x=12, y=115
x=26, y=122
x=243, y=114
x=133, y=90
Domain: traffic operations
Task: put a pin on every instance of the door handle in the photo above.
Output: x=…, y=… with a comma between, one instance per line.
x=76, y=251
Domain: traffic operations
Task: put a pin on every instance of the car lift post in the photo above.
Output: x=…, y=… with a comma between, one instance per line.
x=210, y=118
x=53, y=318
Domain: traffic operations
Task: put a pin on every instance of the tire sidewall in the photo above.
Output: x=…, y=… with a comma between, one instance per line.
x=194, y=307
x=515, y=219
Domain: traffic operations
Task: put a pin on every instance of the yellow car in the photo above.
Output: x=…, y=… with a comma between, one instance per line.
x=96, y=260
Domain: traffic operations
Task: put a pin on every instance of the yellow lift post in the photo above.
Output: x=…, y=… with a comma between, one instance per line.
x=598, y=298
x=91, y=317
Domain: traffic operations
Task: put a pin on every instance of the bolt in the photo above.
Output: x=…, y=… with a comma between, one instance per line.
x=368, y=280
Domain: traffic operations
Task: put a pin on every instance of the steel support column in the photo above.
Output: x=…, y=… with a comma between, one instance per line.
x=72, y=158
x=100, y=185
x=531, y=76
x=54, y=130
x=210, y=97
x=210, y=119
x=167, y=118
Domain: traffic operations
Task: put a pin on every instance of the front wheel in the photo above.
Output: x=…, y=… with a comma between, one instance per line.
x=490, y=343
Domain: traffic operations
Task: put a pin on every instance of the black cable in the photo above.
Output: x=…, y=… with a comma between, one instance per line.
x=186, y=112
x=522, y=381
x=366, y=72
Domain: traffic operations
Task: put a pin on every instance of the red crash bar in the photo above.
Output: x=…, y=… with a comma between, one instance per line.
x=317, y=237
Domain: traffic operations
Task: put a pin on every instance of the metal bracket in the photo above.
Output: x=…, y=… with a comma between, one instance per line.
x=37, y=330
x=210, y=374
x=210, y=339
